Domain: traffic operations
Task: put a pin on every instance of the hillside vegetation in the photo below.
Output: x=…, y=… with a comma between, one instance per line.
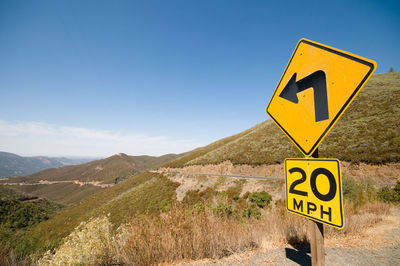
x=369, y=131
x=63, y=193
x=18, y=214
x=142, y=193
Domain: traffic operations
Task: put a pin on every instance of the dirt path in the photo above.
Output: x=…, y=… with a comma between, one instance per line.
x=380, y=245
x=45, y=182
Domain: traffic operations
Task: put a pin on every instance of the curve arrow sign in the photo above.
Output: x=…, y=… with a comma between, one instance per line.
x=317, y=81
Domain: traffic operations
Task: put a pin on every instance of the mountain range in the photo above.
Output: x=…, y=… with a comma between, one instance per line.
x=69, y=184
x=14, y=165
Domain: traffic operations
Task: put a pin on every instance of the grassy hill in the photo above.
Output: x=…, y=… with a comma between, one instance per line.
x=63, y=193
x=369, y=131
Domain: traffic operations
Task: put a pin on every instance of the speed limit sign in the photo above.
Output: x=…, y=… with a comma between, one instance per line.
x=314, y=190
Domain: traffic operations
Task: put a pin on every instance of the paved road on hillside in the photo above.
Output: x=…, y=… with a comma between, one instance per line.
x=236, y=176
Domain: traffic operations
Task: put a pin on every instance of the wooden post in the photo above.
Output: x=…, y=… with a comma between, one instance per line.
x=316, y=230
x=317, y=242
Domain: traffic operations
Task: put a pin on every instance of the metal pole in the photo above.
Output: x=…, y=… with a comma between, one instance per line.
x=316, y=237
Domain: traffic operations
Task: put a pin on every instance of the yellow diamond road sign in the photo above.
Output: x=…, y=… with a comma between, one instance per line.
x=314, y=190
x=317, y=86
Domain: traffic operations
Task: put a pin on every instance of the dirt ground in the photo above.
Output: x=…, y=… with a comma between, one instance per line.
x=380, y=245
x=199, y=182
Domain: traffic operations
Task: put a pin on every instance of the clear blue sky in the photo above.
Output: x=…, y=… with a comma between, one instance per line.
x=171, y=74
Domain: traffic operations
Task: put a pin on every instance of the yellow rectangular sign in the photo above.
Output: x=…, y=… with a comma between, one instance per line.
x=314, y=190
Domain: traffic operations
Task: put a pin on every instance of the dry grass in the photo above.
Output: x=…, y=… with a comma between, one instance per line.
x=182, y=234
x=358, y=219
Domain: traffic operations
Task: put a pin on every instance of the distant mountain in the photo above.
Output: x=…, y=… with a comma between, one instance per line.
x=105, y=171
x=72, y=183
x=368, y=132
x=15, y=165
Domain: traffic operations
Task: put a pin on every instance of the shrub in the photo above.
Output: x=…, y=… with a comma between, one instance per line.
x=89, y=243
x=390, y=194
x=165, y=205
x=225, y=209
x=251, y=211
x=397, y=188
x=358, y=193
x=260, y=198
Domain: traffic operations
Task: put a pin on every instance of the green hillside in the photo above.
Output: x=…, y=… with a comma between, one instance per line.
x=18, y=214
x=64, y=193
x=369, y=131
x=141, y=193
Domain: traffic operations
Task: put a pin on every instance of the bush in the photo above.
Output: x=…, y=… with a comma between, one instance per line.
x=358, y=193
x=397, y=188
x=251, y=211
x=225, y=209
x=260, y=198
x=89, y=243
x=390, y=194
x=165, y=205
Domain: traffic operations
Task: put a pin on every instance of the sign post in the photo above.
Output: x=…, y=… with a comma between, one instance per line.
x=316, y=230
x=317, y=86
x=317, y=237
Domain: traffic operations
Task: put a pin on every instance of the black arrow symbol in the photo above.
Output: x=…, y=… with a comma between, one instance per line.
x=317, y=81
